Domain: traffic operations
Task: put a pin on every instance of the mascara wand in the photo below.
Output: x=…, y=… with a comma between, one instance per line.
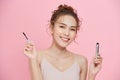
x=25, y=35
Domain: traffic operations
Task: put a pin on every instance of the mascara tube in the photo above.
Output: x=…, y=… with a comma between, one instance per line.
x=97, y=49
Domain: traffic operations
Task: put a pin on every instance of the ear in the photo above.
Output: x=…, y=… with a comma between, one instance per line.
x=51, y=28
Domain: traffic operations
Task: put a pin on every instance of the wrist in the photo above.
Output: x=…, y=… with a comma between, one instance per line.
x=32, y=60
x=91, y=76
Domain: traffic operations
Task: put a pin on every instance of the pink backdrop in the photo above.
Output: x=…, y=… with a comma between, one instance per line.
x=101, y=23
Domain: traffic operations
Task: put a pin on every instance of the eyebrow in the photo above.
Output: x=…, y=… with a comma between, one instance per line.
x=65, y=24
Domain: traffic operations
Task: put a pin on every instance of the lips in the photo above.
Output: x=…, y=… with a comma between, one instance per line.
x=64, y=39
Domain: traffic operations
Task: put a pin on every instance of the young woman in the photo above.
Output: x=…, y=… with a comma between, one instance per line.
x=56, y=62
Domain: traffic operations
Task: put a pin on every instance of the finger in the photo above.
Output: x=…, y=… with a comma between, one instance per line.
x=27, y=50
x=28, y=47
x=29, y=44
x=98, y=60
x=98, y=57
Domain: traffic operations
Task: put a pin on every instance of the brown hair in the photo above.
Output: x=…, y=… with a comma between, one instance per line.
x=64, y=10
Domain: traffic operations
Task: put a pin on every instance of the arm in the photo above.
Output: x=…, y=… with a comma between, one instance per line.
x=91, y=77
x=83, y=67
x=30, y=52
x=95, y=67
x=35, y=70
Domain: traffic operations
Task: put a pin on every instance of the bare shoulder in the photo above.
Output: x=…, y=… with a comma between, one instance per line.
x=40, y=55
x=82, y=60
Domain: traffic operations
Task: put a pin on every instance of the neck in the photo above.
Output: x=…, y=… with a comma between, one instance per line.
x=57, y=50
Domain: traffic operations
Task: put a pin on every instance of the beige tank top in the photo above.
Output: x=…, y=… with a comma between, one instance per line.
x=49, y=72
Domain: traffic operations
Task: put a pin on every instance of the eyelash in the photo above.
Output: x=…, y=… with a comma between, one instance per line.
x=62, y=27
x=70, y=29
x=73, y=29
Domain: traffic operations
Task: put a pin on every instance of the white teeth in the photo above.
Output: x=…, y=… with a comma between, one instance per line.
x=65, y=39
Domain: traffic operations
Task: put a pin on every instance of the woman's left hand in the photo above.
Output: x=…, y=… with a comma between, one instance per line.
x=95, y=65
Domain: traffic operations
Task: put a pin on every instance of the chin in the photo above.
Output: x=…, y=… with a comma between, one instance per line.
x=64, y=45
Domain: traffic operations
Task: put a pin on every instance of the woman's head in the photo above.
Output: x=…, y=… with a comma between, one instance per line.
x=64, y=10
x=64, y=25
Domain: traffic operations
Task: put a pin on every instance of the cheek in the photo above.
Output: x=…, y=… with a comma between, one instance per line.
x=57, y=31
x=73, y=35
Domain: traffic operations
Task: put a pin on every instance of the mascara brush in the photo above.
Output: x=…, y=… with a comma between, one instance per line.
x=25, y=35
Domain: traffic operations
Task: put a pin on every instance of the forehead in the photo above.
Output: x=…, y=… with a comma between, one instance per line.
x=67, y=19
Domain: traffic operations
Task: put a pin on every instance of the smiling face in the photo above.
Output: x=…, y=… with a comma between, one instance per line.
x=64, y=30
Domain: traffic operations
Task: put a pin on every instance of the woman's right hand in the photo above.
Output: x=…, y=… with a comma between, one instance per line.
x=29, y=50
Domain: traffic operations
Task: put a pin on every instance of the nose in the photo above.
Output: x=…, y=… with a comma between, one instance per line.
x=67, y=32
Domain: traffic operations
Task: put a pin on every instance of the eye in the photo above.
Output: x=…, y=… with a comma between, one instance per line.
x=73, y=29
x=62, y=26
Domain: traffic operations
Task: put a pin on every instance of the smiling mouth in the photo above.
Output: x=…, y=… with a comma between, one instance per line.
x=64, y=39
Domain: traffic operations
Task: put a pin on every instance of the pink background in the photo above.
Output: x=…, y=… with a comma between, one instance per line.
x=101, y=23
